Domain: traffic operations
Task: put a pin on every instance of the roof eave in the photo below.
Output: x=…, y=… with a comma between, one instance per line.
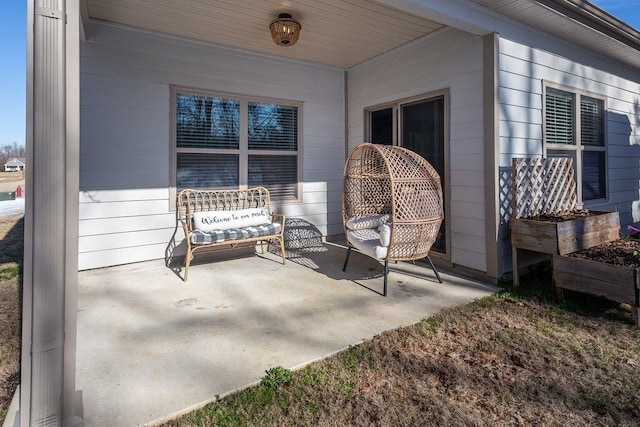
x=596, y=18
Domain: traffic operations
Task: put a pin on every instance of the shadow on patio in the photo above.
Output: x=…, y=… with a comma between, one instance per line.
x=151, y=346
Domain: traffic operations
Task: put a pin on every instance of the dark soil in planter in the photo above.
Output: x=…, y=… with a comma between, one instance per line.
x=623, y=252
x=564, y=216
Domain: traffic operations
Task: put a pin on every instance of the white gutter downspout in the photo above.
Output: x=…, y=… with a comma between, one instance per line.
x=50, y=238
x=72, y=399
x=491, y=94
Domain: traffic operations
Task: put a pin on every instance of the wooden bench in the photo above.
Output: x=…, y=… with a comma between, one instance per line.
x=227, y=218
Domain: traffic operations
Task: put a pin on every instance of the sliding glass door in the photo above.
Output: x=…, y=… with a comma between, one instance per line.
x=418, y=125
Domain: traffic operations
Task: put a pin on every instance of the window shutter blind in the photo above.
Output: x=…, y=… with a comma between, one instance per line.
x=591, y=121
x=198, y=170
x=206, y=122
x=279, y=174
x=273, y=127
x=559, y=115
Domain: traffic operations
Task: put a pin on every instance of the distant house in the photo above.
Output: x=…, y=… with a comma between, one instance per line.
x=15, y=165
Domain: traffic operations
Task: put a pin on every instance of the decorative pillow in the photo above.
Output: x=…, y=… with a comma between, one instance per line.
x=225, y=220
x=371, y=221
x=385, y=234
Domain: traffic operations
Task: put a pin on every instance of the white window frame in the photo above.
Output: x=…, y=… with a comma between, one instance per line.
x=578, y=147
x=243, y=151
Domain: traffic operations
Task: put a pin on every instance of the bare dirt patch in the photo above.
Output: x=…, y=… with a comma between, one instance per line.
x=9, y=181
x=11, y=255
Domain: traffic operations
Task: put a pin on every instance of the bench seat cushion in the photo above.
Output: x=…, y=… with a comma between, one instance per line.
x=367, y=241
x=198, y=237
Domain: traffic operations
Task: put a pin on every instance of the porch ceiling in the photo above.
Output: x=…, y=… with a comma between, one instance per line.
x=344, y=33
x=340, y=33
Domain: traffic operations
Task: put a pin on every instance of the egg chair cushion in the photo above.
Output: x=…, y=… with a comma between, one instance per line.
x=367, y=241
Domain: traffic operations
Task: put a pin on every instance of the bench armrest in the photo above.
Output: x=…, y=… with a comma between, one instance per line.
x=279, y=218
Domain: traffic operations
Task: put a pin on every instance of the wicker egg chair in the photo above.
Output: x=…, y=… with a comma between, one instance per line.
x=392, y=205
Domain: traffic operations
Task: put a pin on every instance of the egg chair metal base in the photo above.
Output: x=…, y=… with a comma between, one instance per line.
x=386, y=270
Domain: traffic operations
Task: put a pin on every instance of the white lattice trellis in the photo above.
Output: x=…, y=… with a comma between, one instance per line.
x=543, y=187
x=505, y=195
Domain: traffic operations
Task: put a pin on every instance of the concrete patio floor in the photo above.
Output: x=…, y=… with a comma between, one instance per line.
x=151, y=346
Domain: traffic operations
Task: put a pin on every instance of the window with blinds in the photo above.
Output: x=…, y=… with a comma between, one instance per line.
x=575, y=127
x=591, y=121
x=228, y=142
x=560, y=127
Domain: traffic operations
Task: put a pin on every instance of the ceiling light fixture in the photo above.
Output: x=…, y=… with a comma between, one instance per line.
x=285, y=30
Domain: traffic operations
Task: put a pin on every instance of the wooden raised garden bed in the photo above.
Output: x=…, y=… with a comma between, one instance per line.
x=553, y=235
x=545, y=217
x=613, y=278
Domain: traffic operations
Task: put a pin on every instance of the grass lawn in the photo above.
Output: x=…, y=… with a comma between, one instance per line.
x=516, y=358
x=11, y=254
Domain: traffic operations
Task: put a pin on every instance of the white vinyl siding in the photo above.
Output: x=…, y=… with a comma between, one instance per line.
x=125, y=173
x=448, y=60
x=126, y=198
x=523, y=71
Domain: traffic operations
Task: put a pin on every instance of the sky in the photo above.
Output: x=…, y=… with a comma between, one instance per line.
x=13, y=45
x=13, y=24
x=625, y=10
